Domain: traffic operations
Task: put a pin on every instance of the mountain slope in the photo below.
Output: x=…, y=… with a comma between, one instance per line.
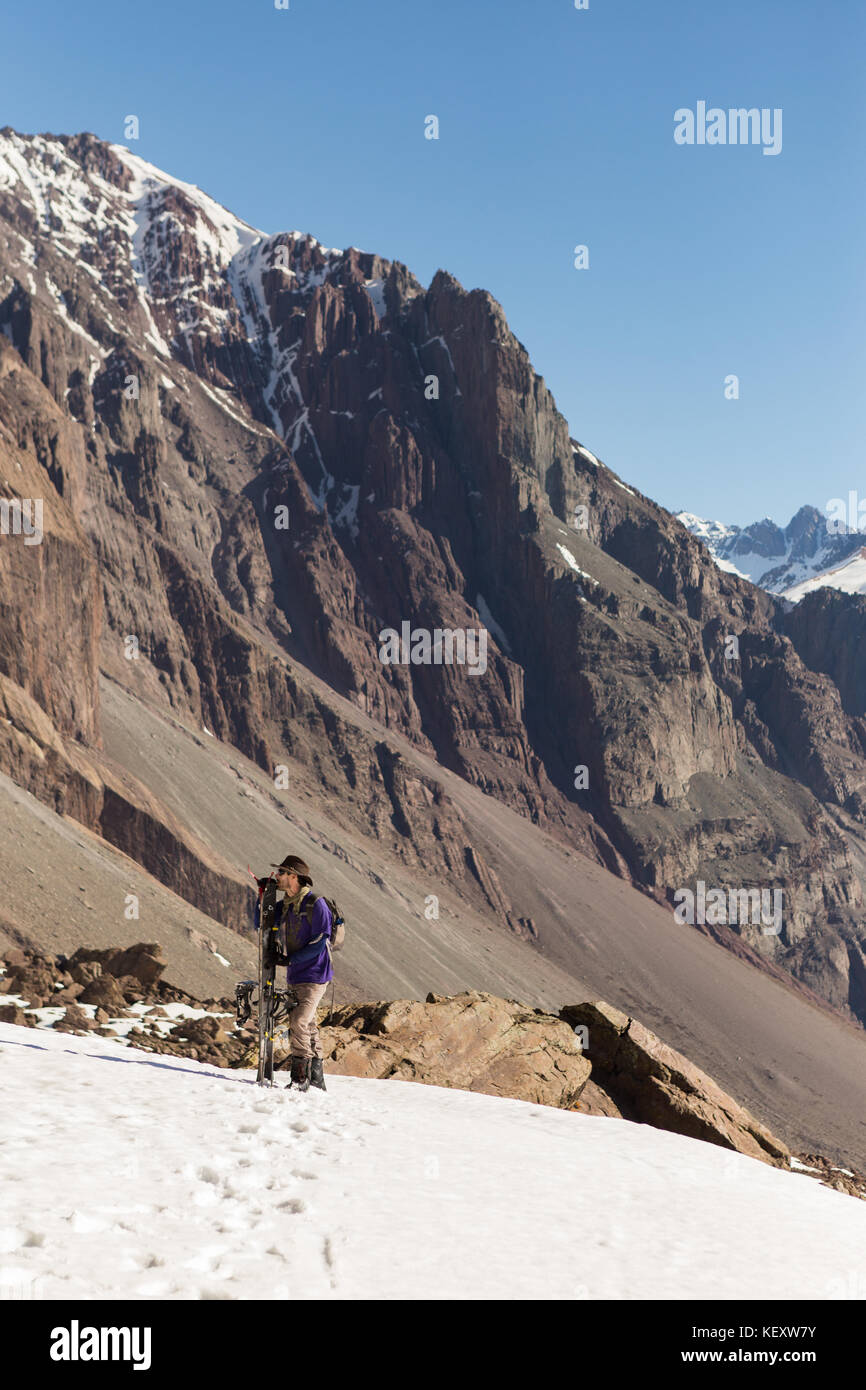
x=800, y=1068
x=271, y=453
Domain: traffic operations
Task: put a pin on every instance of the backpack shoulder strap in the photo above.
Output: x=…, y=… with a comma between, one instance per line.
x=308, y=904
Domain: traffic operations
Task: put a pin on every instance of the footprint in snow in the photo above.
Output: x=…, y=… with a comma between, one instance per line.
x=86, y=1224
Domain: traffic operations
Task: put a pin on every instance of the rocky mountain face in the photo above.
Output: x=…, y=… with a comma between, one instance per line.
x=778, y=558
x=258, y=455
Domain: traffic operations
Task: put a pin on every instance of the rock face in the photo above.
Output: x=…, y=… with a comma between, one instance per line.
x=651, y=1083
x=471, y=1041
x=257, y=455
x=827, y=629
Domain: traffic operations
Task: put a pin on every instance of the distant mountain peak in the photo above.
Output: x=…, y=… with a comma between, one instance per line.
x=781, y=560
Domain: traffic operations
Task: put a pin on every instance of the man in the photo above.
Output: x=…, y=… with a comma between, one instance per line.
x=307, y=936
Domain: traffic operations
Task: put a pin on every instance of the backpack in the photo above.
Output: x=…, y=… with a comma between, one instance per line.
x=338, y=924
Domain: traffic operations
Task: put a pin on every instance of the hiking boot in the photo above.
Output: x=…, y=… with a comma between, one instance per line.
x=317, y=1073
x=300, y=1073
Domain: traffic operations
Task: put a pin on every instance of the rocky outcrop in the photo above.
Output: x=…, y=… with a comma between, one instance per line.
x=472, y=1041
x=826, y=628
x=651, y=1083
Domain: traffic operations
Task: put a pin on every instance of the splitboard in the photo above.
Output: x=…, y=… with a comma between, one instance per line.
x=269, y=1001
x=268, y=956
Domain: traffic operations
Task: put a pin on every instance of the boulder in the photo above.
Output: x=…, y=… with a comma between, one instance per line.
x=68, y=995
x=85, y=971
x=203, y=1031
x=141, y=961
x=133, y=991
x=75, y=1020
x=472, y=1041
x=35, y=983
x=13, y=1013
x=106, y=992
x=651, y=1083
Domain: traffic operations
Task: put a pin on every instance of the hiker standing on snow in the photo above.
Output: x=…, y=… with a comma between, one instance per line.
x=305, y=920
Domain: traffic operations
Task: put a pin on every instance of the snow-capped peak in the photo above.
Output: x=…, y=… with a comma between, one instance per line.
x=226, y=234
x=776, y=558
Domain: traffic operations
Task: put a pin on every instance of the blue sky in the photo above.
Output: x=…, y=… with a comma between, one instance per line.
x=556, y=129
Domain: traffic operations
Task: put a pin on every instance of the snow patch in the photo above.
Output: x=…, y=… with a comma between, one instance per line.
x=586, y=454
x=849, y=577
x=376, y=291
x=570, y=560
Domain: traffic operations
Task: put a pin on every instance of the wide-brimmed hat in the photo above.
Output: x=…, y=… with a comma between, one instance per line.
x=295, y=865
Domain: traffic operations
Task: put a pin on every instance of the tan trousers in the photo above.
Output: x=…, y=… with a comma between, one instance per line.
x=302, y=1021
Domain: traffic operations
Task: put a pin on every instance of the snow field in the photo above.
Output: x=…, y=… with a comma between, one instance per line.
x=129, y=1176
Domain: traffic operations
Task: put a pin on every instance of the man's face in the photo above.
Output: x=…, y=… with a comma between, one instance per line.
x=288, y=882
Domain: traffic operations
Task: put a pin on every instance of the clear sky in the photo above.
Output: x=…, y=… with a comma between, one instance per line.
x=556, y=129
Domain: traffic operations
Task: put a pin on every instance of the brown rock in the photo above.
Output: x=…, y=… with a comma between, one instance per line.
x=831, y=1175
x=206, y=1031
x=132, y=988
x=106, y=992
x=657, y=1086
x=13, y=1013
x=594, y=1100
x=35, y=983
x=75, y=1020
x=84, y=972
x=140, y=961
x=68, y=995
x=470, y=1041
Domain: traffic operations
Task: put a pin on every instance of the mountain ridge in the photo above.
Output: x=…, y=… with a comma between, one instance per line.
x=780, y=559
x=180, y=399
